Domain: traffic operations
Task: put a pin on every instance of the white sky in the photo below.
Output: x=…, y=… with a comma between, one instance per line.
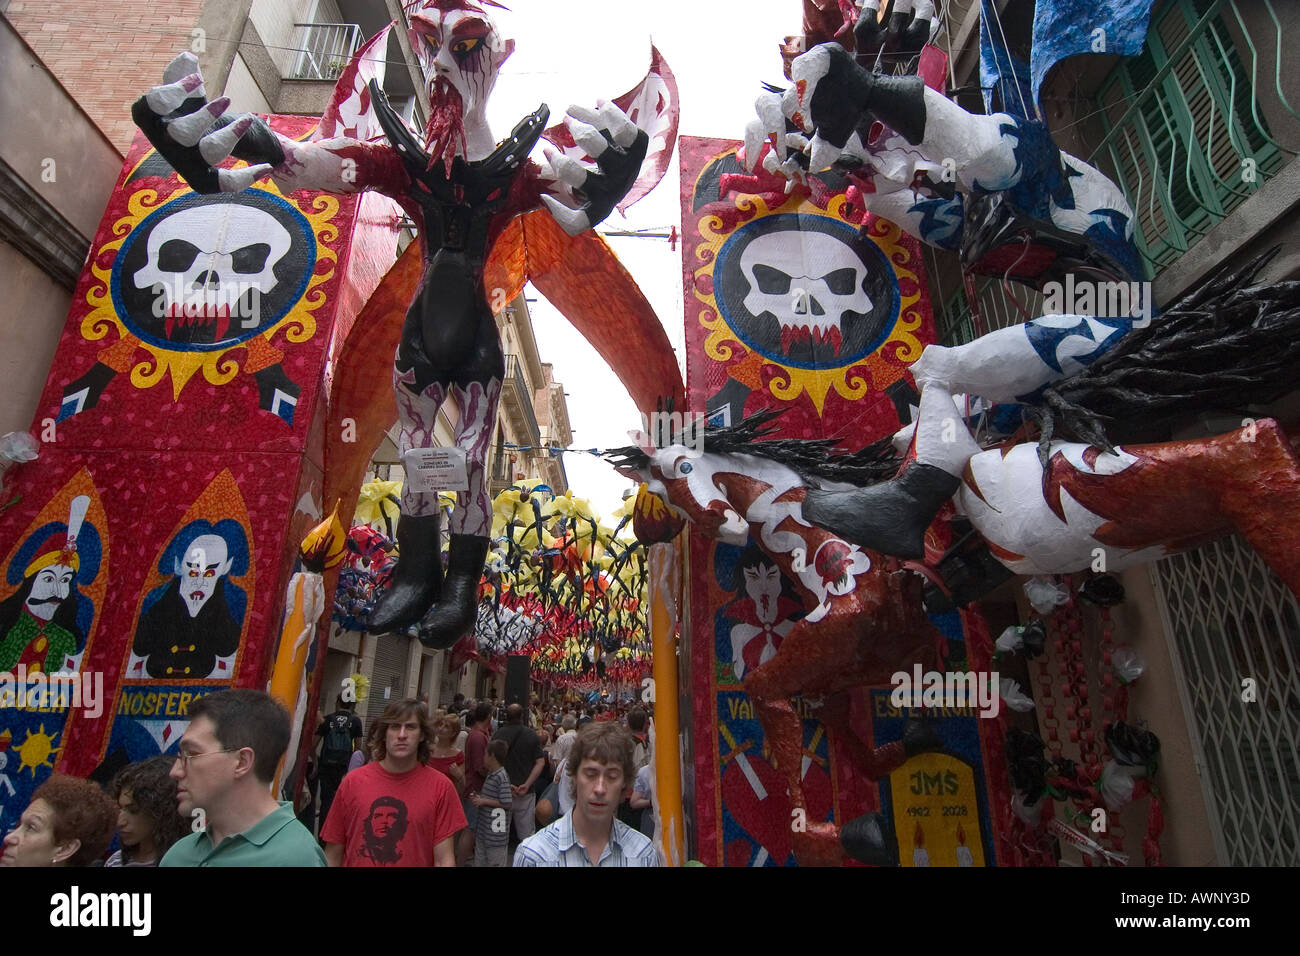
x=573, y=51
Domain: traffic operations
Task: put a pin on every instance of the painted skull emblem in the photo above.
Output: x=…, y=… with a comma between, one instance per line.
x=206, y=271
x=805, y=290
x=806, y=286
x=206, y=278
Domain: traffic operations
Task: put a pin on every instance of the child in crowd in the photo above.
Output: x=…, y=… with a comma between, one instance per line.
x=492, y=828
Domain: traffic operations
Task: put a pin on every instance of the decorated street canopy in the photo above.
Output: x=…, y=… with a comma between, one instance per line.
x=559, y=584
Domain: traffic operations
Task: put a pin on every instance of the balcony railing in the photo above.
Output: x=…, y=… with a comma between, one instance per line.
x=325, y=49
x=560, y=429
x=500, y=470
x=956, y=321
x=518, y=396
x=1189, y=136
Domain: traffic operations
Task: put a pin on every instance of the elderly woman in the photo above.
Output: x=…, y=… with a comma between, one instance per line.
x=68, y=823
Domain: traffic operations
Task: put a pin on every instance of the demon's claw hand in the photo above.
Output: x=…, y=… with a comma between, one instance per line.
x=789, y=156
x=829, y=99
x=619, y=149
x=195, y=135
x=819, y=116
x=835, y=100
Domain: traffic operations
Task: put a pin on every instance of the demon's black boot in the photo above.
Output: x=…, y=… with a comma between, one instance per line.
x=885, y=44
x=890, y=517
x=899, y=103
x=920, y=737
x=457, y=608
x=416, y=578
x=845, y=90
x=968, y=571
x=870, y=839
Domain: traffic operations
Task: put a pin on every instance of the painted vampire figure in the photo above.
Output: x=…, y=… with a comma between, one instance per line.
x=462, y=188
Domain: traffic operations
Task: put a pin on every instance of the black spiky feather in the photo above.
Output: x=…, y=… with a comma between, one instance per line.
x=813, y=458
x=1226, y=344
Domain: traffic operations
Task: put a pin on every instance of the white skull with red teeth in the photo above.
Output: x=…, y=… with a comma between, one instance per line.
x=461, y=52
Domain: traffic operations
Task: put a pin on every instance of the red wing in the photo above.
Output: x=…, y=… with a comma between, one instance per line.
x=652, y=105
x=581, y=276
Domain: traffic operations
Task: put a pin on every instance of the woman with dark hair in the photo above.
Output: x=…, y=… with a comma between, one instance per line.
x=763, y=613
x=148, y=822
x=68, y=823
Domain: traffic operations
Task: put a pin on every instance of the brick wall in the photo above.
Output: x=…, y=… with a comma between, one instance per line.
x=107, y=53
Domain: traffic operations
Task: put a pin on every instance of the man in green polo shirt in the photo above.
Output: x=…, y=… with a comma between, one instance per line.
x=228, y=757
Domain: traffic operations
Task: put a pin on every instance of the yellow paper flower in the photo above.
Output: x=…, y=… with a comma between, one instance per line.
x=626, y=508
x=571, y=507
x=375, y=502
x=362, y=685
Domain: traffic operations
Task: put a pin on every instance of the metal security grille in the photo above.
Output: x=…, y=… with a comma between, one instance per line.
x=391, y=655
x=1228, y=618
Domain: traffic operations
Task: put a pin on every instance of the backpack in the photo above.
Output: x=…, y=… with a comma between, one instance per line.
x=640, y=750
x=338, y=739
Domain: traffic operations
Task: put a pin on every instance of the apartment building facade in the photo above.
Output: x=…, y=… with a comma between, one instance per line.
x=1201, y=132
x=70, y=74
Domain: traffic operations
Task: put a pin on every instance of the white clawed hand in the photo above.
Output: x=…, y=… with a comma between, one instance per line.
x=586, y=194
x=204, y=129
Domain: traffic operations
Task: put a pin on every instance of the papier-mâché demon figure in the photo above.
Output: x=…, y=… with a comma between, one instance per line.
x=960, y=181
x=462, y=188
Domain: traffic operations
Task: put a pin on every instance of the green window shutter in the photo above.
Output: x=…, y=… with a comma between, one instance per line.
x=955, y=323
x=1182, y=120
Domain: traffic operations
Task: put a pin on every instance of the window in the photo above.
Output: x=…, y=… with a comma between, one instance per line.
x=1228, y=618
x=1186, y=138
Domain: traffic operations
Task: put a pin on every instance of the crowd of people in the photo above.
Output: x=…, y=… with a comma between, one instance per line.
x=560, y=783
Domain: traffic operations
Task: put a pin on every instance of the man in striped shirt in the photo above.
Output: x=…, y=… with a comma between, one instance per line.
x=599, y=769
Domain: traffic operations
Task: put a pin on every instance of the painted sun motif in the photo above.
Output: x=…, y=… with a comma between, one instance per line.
x=37, y=751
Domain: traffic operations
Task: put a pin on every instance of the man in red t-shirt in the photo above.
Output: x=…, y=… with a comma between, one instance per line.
x=396, y=810
x=480, y=731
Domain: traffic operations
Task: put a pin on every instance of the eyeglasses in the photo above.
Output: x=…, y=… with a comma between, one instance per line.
x=184, y=759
